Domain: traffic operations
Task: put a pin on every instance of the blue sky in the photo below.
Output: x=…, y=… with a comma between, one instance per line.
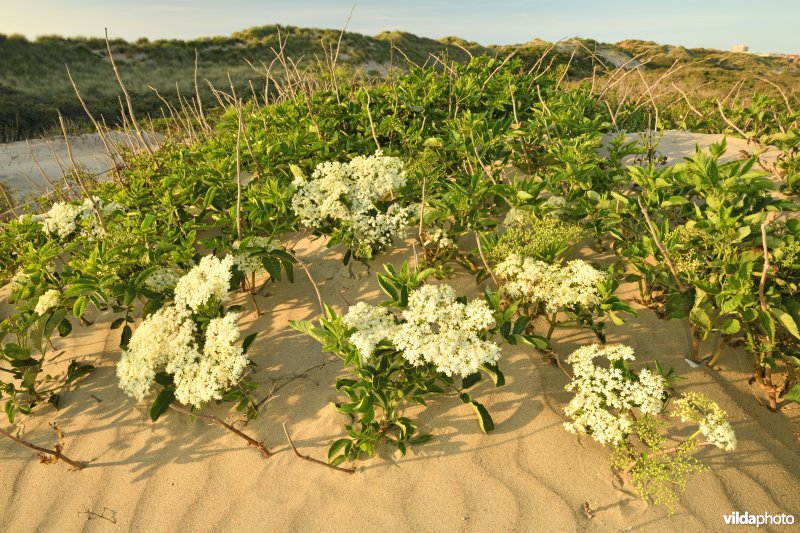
x=764, y=26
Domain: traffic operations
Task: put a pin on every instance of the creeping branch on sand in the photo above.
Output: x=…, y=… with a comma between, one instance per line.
x=45, y=455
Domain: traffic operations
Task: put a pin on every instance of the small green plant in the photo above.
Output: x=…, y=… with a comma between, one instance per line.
x=352, y=202
x=621, y=408
x=574, y=294
x=423, y=341
x=546, y=239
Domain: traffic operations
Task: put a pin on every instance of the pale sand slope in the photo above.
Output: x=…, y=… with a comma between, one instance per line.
x=676, y=145
x=18, y=169
x=530, y=474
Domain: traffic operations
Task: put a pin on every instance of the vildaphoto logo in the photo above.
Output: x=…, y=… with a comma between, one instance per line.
x=764, y=519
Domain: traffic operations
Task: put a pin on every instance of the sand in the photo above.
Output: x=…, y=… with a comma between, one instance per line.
x=18, y=169
x=529, y=474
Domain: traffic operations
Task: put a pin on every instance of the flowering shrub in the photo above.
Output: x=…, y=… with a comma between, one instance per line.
x=712, y=421
x=577, y=289
x=604, y=396
x=247, y=257
x=620, y=408
x=63, y=219
x=190, y=347
x=47, y=301
x=551, y=286
x=349, y=202
x=163, y=278
x=409, y=347
x=435, y=329
x=547, y=239
x=169, y=341
x=209, y=280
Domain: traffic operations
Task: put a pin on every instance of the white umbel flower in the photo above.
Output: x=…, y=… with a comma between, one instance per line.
x=555, y=287
x=63, y=218
x=711, y=420
x=47, y=301
x=604, y=395
x=372, y=324
x=244, y=260
x=168, y=341
x=206, y=281
x=220, y=365
x=164, y=339
x=163, y=278
x=346, y=193
x=435, y=329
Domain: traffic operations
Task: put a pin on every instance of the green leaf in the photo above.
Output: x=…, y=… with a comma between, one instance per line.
x=210, y=194
x=699, y=317
x=388, y=287
x=730, y=326
x=498, y=378
x=422, y=439
x=162, y=403
x=484, y=419
x=471, y=380
x=793, y=395
x=79, y=307
x=148, y=221
x=9, y=409
x=77, y=370
x=125, y=338
x=17, y=352
x=130, y=294
x=336, y=447
x=116, y=324
x=164, y=379
x=303, y=326
x=674, y=200
x=787, y=321
x=767, y=324
x=248, y=341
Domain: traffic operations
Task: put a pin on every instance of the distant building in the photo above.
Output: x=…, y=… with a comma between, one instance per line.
x=793, y=58
x=740, y=48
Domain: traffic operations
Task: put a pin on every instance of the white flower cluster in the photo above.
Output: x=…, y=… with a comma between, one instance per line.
x=210, y=374
x=711, y=420
x=557, y=287
x=47, y=301
x=244, y=261
x=163, y=278
x=372, y=324
x=203, y=367
x=438, y=239
x=64, y=218
x=436, y=329
x=347, y=192
x=604, y=395
x=208, y=280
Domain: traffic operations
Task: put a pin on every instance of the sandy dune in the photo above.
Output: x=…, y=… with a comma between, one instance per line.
x=530, y=474
x=18, y=160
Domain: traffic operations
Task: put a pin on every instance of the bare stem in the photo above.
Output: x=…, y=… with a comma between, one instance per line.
x=769, y=387
x=250, y=440
x=311, y=279
x=667, y=258
x=77, y=465
x=313, y=460
x=485, y=262
x=238, y=184
x=127, y=98
x=371, y=123
x=77, y=174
